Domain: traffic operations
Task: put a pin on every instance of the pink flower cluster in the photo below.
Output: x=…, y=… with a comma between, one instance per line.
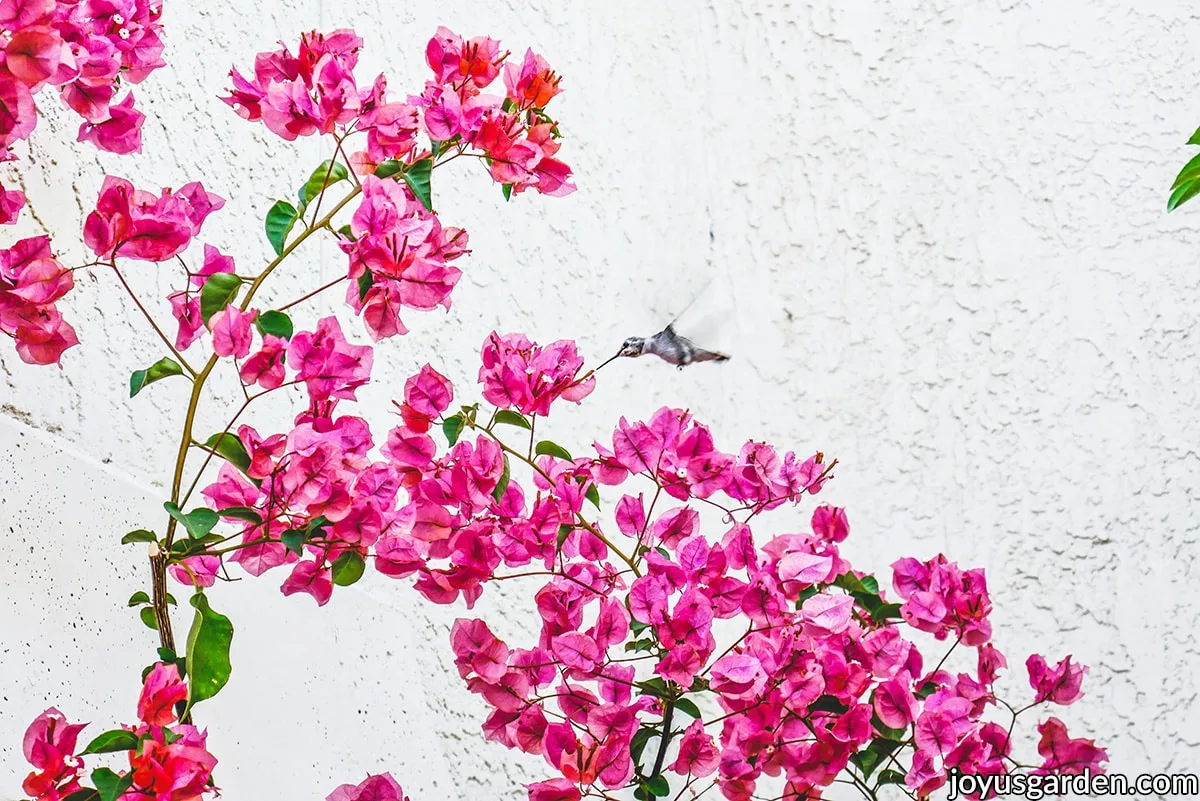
x=31, y=281
x=517, y=138
x=170, y=763
x=517, y=374
x=400, y=253
x=86, y=49
x=137, y=224
x=315, y=92
x=630, y=613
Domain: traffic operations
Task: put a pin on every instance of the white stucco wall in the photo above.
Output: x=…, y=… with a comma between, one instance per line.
x=945, y=226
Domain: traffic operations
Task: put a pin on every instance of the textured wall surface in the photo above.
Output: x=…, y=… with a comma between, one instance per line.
x=937, y=237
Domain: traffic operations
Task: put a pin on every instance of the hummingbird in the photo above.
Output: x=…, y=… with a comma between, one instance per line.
x=668, y=346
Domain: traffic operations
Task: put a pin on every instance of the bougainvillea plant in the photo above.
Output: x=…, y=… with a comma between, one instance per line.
x=684, y=643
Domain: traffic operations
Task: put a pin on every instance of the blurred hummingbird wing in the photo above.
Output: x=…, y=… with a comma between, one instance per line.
x=709, y=321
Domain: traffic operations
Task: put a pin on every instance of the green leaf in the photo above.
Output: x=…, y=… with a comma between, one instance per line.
x=242, y=513
x=321, y=178
x=388, y=168
x=207, y=651
x=658, y=786
x=1188, y=173
x=348, y=568
x=593, y=495
x=110, y=742
x=219, y=290
x=86, y=794
x=638, y=743
x=161, y=369
x=548, y=448
x=1183, y=193
x=139, y=598
x=507, y=190
x=688, y=707
x=868, y=601
x=925, y=690
x=198, y=522
x=280, y=219
x=563, y=533
x=452, y=426
x=870, y=584
x=890, y=777
x=866, y=761
x=1195, y=140
x=275, y=323
x=229, y=448
x=147, y=616
x=637, y=626
x=887, y=612
x=641, y=794
x=656, y=686
x=418, y=178
x=502, y=484
x=511, y=418
x=109, y=785
x=365, y=282
x=167, y=655
x=293, y=540
x=141, y=535
x=827, y=703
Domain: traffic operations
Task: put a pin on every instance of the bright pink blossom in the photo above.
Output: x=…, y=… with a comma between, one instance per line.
x=533, y=84
x=265, y=367
x=1065, y=755
x=519, y=374
x=120, y=133
x=232, y=331
x=1060, y=684
x=11, y=203
x=178, y=768
x=141, y=225
x=162, y=690
x=49, y=746
x=381, y=787
x=31, y=280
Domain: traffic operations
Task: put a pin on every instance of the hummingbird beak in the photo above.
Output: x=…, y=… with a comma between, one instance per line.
x=611, y=359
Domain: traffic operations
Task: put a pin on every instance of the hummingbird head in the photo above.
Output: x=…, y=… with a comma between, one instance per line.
x=634, y=346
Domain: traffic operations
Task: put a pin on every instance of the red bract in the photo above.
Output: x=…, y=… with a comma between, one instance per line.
x=141, y=225
x=533, y=84
x=31, y=280
x=171, y=768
